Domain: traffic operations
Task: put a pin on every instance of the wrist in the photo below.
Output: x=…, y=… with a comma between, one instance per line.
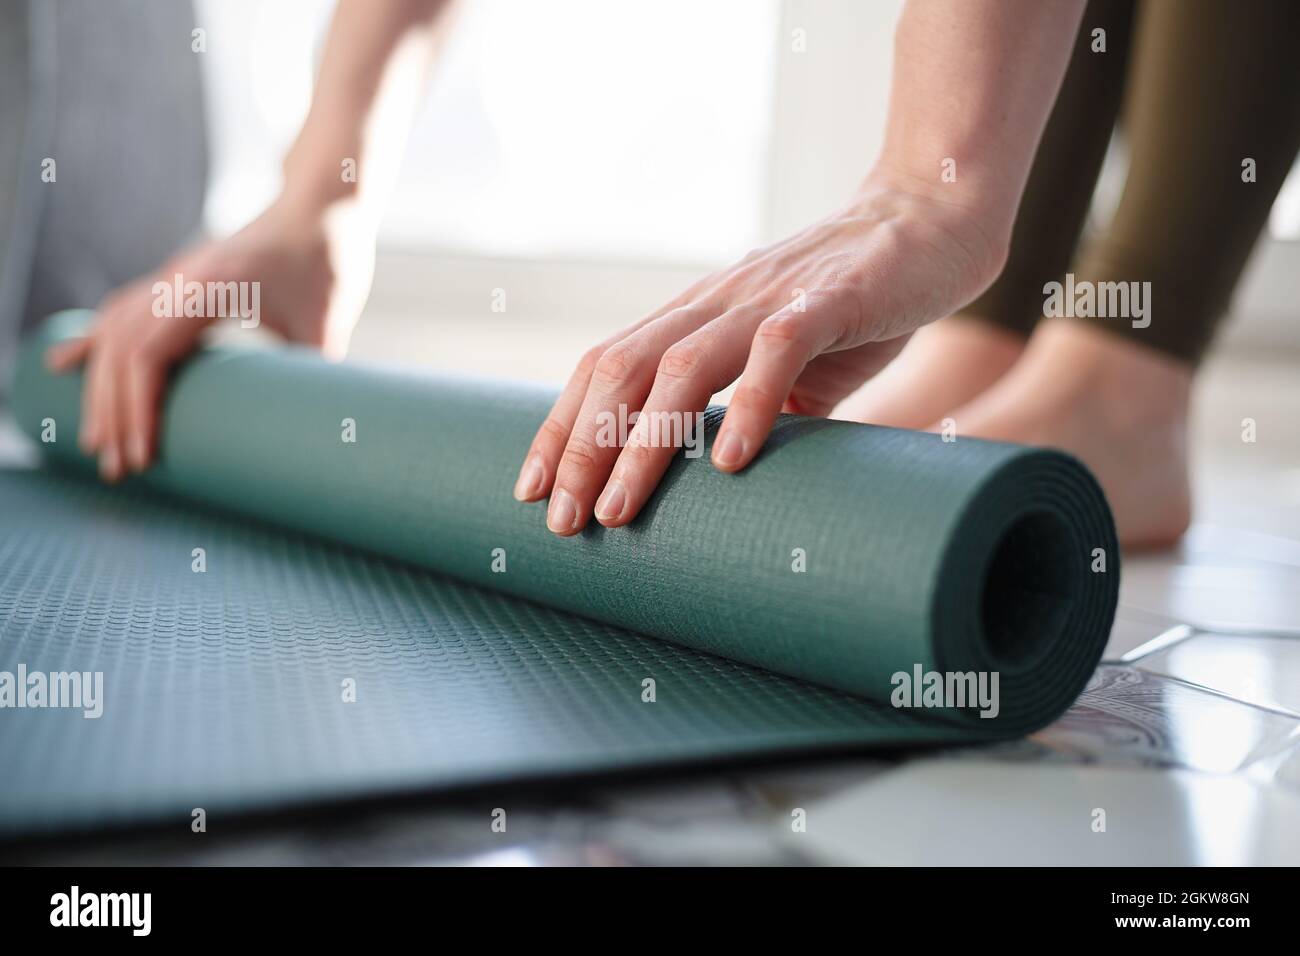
x=966, y=190
x=321, y=173
x=312, y=194
x=310, y=206
x=968, y=222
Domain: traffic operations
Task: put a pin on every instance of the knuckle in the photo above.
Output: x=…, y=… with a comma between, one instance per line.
x=617, y=365
x=781, y=330
x=579, y=455
x=587, y=364
x=686, y=359
x=842, y=311
x=634, y=458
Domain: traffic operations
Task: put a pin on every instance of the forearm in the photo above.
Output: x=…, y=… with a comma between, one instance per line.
x=376, y=59
x=974, y=82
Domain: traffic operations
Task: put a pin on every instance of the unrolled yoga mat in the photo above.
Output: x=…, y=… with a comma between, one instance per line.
x=380, y=615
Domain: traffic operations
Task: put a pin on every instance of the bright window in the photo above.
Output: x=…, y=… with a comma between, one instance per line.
x=566, y=128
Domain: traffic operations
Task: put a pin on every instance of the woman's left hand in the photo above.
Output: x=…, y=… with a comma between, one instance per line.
x=801, y=323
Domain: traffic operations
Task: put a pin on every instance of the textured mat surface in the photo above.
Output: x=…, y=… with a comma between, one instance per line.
x=223, y=690
x=844, y=555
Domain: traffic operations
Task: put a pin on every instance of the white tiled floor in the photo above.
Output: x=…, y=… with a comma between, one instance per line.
x=1027, y=815
x=1264, y=671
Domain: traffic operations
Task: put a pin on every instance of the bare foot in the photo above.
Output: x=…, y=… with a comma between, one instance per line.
x=1120, y=407
x=945, y=365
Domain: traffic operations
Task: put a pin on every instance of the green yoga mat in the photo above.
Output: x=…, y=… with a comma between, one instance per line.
x=760, y=613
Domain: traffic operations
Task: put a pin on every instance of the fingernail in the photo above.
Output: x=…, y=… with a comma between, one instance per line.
x=729, y=450
x=562, y=516
x=610, y=505
x=530, y=479
x=139, y=453
x=110, y=463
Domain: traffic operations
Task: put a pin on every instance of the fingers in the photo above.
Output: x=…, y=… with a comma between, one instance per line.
x=95, y=383
x=782, y=346
x=664, y=373
x=748, y=320
x=102, y=420
x=689, y=372
x=87, y=436
x=144, y=375
x=65, y=356
x=141, y=389
x=126, y=357
x=847, y=289
x=620, y=381
x=538, y=471
x=536, y=477
x=833, y=376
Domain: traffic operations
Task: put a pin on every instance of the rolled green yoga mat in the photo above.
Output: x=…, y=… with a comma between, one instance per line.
x=353, y=631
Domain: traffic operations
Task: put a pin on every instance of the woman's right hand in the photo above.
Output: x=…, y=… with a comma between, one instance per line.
x=306, y=266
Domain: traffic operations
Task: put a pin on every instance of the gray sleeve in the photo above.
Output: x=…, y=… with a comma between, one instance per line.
x=113, y=95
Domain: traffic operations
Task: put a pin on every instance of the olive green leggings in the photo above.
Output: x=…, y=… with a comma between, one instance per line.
x=1210, y=99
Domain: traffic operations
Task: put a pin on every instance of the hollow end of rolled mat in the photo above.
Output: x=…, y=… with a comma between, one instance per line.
x=1028, y=591
x=1036, y=604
